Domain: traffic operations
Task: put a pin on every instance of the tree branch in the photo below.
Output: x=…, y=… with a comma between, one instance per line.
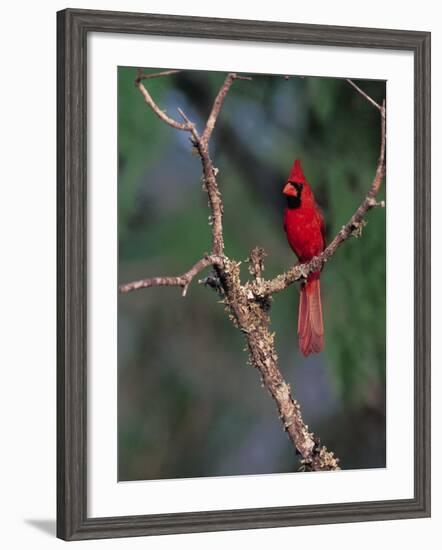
x=183, y=280
x=248, y=304
x=160, y=113
x=252, y=319
x=209, y=171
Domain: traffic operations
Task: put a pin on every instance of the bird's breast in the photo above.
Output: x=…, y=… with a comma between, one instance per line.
x=303, y=230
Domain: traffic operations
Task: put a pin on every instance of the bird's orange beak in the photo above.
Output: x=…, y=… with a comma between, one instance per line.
x=289, y=190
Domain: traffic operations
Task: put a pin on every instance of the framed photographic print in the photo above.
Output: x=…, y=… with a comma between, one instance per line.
x=243, y=274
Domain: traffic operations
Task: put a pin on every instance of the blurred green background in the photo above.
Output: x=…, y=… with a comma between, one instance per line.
x=188, y=404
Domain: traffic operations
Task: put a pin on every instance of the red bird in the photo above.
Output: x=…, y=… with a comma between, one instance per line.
x=305, y=229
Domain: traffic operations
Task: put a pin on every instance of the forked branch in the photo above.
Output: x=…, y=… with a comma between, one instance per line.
x=201, y=144
x=248, y=304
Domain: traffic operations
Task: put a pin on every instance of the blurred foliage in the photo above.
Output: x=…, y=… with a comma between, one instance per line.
x=188, y=403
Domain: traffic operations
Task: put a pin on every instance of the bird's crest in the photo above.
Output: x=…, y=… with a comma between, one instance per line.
x=297, y=175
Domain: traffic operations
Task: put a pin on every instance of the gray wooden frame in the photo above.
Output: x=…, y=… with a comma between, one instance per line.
x=73, y=27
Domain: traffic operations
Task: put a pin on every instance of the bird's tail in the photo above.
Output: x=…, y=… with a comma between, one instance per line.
x=310, y=324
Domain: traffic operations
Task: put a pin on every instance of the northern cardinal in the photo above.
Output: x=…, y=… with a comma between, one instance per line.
x=305, y=229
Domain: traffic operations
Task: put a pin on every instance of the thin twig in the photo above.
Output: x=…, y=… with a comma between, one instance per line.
x=159, y=112
x=218, y=103
x=146, y=76
x=190, y=125
x=363, y=94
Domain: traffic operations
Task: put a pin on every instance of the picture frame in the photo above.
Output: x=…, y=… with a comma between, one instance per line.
x=73, y=28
